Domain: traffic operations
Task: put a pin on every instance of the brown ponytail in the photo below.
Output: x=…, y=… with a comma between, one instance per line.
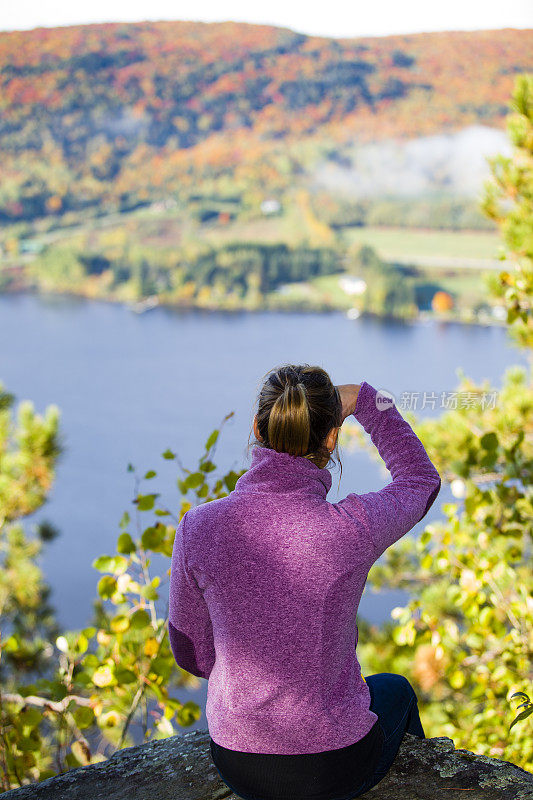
x=288, y=421
x=298, y=405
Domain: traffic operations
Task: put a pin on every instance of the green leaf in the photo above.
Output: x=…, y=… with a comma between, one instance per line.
x=124, y=520
x=83, y=716
x=194, y=479
x=115, y=564
x=130, y=468
x=107, y=586
x=149, y=593
x=34, y=688
x=125, y=544
x=124, y=675
x=160, y=695
x=29, y=743
x=152, y=537
x=427, y=561
x=489, y=441
x=457, y=679
x=211, y=440
x=523, y=715
x=11, y=644
x=163, y=666
x=486, y=615
x=120, y=565
x=81, y=644
x=167, y=547
x=207, y=466
x=120, y=623
x=150, y=474
x=103, y=563
x=489, y=459
x=145, y=502
x=30, y=716
x=139, y=619
x=168, y=454
x=188, y=714
x=231, y=479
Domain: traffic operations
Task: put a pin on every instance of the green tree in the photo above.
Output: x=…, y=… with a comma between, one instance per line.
x=389, y=292
x=465, y=639
x=29, y=449
x=508, y=200
x=118, y=672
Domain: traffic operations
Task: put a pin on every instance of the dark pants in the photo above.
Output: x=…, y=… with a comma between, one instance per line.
x=394, y=701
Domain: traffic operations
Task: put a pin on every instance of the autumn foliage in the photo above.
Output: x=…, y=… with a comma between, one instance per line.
x=114, y=115
x=442, y=301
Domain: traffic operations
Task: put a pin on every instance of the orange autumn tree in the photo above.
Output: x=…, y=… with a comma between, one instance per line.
x=442, y=301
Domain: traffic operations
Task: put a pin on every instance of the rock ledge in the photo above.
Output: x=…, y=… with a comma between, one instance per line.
x=180, y=768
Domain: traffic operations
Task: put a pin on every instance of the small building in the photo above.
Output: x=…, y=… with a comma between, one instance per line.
x=270, y=207
x=352, y=285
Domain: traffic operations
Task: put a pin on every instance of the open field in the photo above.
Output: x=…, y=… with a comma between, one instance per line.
x=390, y=243
x=405, y=242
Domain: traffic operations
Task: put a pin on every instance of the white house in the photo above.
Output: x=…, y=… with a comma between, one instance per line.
x=352, y=285
x=270, y=207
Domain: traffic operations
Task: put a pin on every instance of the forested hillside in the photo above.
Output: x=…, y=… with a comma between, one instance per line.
x=111, y=116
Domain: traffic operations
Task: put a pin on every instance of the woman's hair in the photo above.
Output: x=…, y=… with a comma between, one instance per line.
x=298, y=405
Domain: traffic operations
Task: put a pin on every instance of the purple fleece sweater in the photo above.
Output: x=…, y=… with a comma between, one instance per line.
x=266, y=582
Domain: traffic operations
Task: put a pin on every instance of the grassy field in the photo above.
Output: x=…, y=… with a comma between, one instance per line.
x=395, y=242
x=390, y=243
x=471, y=283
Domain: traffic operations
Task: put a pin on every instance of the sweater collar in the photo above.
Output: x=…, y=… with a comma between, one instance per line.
x=272, y=471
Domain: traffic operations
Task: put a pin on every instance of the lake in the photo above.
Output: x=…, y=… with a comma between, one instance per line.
x=129, y=386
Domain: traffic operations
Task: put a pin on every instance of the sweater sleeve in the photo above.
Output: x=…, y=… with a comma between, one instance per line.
x=190, y=628
x=391, y=512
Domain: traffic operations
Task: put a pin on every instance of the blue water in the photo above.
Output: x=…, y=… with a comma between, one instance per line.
x=129, y=386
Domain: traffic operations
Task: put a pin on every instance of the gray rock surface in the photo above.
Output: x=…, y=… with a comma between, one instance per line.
x=180, y=768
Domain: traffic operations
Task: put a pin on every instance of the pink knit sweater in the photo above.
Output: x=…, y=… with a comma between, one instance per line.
x=266, y=582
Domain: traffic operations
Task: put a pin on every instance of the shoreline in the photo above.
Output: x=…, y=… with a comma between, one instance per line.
x=424, y=317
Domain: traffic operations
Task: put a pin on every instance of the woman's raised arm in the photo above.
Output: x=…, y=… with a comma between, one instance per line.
x=392, y=511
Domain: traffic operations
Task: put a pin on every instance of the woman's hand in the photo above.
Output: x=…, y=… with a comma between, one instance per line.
x=348, y=394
